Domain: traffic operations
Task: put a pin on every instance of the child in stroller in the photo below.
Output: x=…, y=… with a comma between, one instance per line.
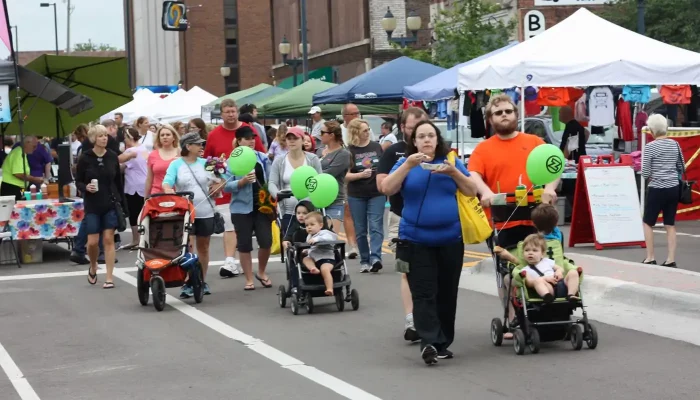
x=302, y=284
x=320, y=258
x=543, y=305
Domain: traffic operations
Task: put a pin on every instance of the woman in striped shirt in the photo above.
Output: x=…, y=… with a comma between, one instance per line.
x=662, y=166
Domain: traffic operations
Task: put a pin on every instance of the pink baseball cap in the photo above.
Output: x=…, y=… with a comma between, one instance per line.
x=296, y=132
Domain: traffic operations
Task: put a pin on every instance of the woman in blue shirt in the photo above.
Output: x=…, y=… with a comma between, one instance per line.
x=430, y=234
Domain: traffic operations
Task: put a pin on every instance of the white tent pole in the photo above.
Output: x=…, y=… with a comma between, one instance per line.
x=641, y=177
x=522, y=107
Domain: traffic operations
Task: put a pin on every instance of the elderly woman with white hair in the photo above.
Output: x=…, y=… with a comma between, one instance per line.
x=662, y=166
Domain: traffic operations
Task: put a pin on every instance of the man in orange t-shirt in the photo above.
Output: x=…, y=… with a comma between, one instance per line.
x=498, y=164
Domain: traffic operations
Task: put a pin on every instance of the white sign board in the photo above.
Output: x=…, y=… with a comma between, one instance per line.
x=5, y=109
x=533, y=24
x=544, y=3
x=206, y=113
x=614, y=201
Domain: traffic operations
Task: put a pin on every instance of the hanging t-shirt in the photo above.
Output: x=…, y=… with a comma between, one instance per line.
x=601, y=107
x=676, y=94
x=553, y=97
x=624, y=121
x=636, y=93
x=514, y=94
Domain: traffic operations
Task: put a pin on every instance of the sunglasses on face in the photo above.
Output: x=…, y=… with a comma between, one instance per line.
x=501, y=112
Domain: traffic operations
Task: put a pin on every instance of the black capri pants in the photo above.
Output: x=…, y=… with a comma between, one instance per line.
x=246, y=224
x=134, y=202
x=661, y=200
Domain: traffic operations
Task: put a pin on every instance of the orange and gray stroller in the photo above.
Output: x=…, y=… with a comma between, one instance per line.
x=163, y=258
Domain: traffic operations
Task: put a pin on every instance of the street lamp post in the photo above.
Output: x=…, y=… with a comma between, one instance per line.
x=413, y=24
x=285, y=48
x=16, y=39
x=225, y=73
x=55, y=21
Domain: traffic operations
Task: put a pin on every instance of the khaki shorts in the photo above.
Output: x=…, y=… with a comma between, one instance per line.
x=225, y=212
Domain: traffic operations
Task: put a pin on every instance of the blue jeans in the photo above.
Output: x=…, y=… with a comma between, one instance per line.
x=368, y=215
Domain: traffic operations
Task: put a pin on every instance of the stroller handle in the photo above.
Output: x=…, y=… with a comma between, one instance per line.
x=284, y=194
x=181, y=194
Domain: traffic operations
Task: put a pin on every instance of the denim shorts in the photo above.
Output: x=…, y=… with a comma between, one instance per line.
x=95, y=223
x=336, y=211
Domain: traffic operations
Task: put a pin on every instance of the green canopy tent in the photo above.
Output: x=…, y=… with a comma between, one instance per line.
x=104, y=80
x=236, y=96
x=296, y=102
x=254, y=98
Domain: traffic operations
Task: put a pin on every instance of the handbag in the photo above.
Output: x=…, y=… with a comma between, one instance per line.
x=685, y=187
x=219, y=225
x=121, y=215
x=276, y=248
x=475, y=225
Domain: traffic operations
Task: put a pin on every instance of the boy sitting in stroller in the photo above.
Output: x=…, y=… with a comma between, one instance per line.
x=544, y=274
x=320, y=258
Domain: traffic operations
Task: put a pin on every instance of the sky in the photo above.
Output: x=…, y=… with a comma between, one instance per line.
x=99, y=20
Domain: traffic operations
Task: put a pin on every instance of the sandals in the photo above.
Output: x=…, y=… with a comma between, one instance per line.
x=267, y=283
x=108, y=285
x=249, y=286
x=92, y=278
x=572, y=298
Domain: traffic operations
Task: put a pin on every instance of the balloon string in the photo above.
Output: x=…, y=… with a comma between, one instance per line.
x=208, y=196
x=517, y=204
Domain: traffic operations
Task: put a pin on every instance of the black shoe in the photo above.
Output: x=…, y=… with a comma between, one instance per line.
x=445, y=355
x=79, y=259
x=430, y=355
x=670, y=265
x=410, y=335
x=376, y=266
x=650, y=262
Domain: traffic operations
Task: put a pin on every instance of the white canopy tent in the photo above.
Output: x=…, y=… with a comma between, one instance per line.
x=186, y=107
x=143, y=99
x=584, y=50
x=163, y=107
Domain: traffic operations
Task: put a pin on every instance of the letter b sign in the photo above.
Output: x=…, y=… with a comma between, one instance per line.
x=533, y=24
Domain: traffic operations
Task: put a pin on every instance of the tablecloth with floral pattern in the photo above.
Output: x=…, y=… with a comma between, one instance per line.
x=46, y=219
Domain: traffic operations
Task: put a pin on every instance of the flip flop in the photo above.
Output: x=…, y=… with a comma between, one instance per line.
x=92, y=278
x=108, y=285
x=249, y=287
x=262, y=281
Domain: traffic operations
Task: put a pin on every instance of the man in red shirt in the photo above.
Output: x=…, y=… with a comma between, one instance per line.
x=220, y=144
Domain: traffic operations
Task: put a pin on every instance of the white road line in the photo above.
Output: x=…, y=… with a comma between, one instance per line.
x=22, y=386
x=677, y=233
x=257, y=345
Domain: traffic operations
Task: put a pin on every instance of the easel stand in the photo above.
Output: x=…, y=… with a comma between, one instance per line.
x=606, y=207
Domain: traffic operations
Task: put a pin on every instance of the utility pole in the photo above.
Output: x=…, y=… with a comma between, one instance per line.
x=305, y=52
x=641, y=28
x=69, y=10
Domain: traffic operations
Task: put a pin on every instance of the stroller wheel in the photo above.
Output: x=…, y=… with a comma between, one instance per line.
x=576, y=336
x=282, y=296
x=534, y=344
x=339, y=300
x=197, y=282
x=295, y=304
x=496, y=331
x=355, y=299
x=592, y=337
x=519, y=342
x=309, y=303
x=142, y=288
x=158, y=289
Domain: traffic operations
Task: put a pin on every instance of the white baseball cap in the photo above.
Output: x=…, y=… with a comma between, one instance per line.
x=314, y=110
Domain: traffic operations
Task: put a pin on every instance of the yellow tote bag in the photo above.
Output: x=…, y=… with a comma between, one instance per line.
x=275, y=249
x=475, y=225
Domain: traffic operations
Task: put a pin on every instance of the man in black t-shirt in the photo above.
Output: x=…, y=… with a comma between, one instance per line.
x=575, y=132
x=409, y=119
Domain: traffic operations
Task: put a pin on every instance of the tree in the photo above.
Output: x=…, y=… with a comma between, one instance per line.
x=90, y=46
x=465, y=31
x=667, y=21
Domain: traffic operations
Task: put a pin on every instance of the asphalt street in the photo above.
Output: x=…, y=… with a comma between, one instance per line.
x=64, y=339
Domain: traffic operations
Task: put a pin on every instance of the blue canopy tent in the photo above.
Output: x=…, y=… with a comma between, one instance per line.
x=381, y=85
x=443, y=85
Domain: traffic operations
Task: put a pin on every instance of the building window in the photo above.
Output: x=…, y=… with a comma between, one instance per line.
x=231, y=42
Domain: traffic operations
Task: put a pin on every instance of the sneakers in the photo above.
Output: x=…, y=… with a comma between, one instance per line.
x=365, y=268
x=430, y=355
x=230, y=269
x=409, y=331
x=353, y=253
x=445, y=355
x=207, y=291
x=376, y=266
x=186, y=292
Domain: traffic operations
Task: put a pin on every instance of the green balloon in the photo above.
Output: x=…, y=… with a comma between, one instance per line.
x=545, y=164
x=298, y=181
x=242, y=160
x=323, y=190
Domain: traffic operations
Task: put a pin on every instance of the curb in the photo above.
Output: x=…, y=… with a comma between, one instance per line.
x=610, y=290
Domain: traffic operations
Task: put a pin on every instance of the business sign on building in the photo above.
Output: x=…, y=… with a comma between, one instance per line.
x=324, y=74
x=174, y=16
x=534, y=24
x=544, y=3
